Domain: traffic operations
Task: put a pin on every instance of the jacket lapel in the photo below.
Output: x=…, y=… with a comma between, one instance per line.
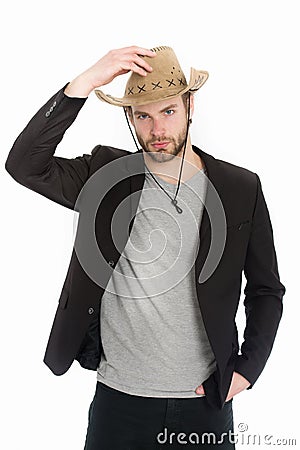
x=216, y=179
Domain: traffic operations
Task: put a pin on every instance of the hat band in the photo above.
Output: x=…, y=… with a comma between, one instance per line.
x=155, y=94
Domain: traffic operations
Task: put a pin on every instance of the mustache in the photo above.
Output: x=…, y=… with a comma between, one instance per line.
x=160, y=139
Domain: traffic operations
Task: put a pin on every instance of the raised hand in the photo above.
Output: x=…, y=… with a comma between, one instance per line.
x=114, y=63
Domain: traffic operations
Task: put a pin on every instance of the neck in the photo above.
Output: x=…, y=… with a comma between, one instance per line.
x=170, y=170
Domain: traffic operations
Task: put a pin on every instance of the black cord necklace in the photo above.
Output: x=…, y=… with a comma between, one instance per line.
x=173, y=200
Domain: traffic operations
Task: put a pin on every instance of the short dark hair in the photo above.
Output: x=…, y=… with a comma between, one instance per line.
x=185, y=97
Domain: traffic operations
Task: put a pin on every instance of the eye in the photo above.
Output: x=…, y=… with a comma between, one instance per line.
x=142, y=116
x=169, y=112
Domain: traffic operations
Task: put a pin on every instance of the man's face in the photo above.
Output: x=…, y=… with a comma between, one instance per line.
x=161, y=127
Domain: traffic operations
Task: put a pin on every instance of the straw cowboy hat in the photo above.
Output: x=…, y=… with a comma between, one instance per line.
x=166, y=81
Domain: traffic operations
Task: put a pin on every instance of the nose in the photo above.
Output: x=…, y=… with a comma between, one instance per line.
x=157, y=128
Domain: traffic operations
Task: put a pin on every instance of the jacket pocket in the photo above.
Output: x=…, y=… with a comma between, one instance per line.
x=238, y=226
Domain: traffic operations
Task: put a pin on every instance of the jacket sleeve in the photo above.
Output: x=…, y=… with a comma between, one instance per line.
x=31, y=161
x=263, y=294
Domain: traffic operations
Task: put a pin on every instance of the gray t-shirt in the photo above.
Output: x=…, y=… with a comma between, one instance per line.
x=153, y=336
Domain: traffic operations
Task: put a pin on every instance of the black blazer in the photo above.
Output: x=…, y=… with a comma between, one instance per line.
x=249, y=248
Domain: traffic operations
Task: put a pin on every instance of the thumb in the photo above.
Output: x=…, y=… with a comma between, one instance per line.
x=200, y=390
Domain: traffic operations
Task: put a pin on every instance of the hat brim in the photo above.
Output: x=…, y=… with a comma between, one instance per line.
x=197, y=79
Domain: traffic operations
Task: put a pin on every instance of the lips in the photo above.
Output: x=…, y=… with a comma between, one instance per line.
x=160, y=145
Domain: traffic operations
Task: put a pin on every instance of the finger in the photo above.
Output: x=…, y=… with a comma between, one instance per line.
x=142, y=63
x=142, y=51
x=200, y=390
x=137, y=69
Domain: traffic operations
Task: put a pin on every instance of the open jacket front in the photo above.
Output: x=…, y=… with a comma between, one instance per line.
x=249, y=248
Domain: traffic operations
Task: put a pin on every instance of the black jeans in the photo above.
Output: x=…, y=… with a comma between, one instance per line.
x=120, y=421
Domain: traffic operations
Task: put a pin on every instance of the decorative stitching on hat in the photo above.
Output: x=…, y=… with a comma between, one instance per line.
x=171, y=82
x=141, y=88
x=198, y=82
x=158, y=49
x=130, y=91
x=156, y=85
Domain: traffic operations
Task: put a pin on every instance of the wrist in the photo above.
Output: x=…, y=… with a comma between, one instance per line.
x=80, y=87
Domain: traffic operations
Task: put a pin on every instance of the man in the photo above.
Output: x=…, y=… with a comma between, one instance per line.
x=155, y=314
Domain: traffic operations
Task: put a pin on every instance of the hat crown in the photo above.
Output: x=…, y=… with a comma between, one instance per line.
x=166, y=75
x=166, y=81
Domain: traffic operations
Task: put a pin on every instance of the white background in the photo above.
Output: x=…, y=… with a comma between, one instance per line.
x=247, y=113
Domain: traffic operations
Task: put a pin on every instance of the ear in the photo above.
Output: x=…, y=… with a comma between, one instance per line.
x=191, y=105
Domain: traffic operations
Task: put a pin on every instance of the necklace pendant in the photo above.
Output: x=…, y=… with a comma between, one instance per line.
x=174, y=202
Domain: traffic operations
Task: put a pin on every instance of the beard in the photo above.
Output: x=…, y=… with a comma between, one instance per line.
x=174, y=148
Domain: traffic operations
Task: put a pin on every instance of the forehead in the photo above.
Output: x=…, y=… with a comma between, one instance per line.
x=159, y=106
